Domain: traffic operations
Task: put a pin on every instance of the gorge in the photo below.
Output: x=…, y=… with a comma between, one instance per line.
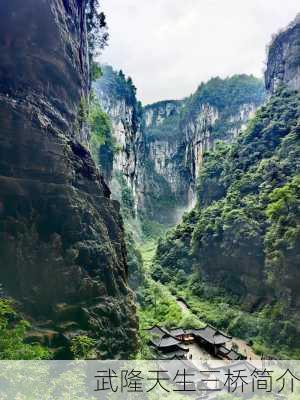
x=161, y=145
x=111, y=211
x=229, y=153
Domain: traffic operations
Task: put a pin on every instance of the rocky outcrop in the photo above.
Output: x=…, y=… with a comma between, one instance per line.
x=161, y=147
x=62, y=250
x=121, y=116
x=116, y=96
x=283, y=66
x=201, y=132
x=178, y=133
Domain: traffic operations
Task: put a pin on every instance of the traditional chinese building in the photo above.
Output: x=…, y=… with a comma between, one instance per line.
x=208, y=337
x=174, y=343
x=165, y=343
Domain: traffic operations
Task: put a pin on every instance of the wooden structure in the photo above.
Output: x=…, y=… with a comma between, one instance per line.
x=171, y=343
x=229, y=354
x=166, y=344
x=208, y=337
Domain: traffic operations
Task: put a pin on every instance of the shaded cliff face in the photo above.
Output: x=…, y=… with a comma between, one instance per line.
x=161, y=147
x=62, y=251
x=178, y=133
x=283, y=65
x=117, y=98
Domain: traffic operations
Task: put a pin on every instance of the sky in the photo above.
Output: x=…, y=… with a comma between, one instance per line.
x=169, y=47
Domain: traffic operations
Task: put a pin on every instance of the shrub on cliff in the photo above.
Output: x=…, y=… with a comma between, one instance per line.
x=12, y=335
x=102, y=142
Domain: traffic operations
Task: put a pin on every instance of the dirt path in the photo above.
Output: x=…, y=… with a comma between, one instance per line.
x=148, y=252
x=245, y=349
x=242, y=345
x=183, y=306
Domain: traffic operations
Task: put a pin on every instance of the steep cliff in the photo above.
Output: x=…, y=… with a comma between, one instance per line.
x=178, y=133
x=283, y=65
x=117, y=97
x=160, y=147
x=62, y=250
x=239, y=248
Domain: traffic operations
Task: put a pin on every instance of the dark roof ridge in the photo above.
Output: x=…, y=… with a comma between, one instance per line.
x=159, y=327
x=218, y=331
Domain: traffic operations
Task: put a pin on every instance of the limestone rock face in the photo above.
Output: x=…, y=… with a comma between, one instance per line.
x=161, y=146
x=62, y=251
x=283, y=65
x=175, y=145
x=121, y=114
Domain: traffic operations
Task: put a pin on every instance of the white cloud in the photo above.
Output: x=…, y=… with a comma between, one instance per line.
x=169, y=46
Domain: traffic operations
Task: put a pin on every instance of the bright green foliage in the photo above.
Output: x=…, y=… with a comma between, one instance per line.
x=96, y=71
x=12, y=334
x=244, y=234
x=224, y=95
x=102, y=142
x=283, y=237
x=83, y=347
x=135, y=263
x=227, y=96
x=157, y=306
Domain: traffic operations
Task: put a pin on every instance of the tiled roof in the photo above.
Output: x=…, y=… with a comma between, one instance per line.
x=168, y=341
x=158, y=331
x=230, y=354
x=177, y=332
x=212, y=335
x=177, y=354
x=209, y=334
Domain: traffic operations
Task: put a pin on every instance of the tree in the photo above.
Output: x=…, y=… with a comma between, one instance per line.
x=12, y=334
x=83, y=347
x=96, y=27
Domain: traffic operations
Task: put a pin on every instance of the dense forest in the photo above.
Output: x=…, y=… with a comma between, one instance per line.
x=240, y=245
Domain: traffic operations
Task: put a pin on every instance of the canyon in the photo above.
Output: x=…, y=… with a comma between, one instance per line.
x=161, y=145
x=87, y=178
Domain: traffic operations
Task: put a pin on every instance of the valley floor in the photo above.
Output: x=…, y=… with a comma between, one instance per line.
x=160, y=304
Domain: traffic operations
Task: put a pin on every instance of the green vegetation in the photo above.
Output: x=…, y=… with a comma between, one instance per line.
x=236, y=255
x=148, y=250
x=83, y=347
x=13, y=331
x=157, y=306
x=283, y=236
x=264, y=329
x=157, y=303
x=168, y=128
x=151, y=229
x=135, y=262
x=123, y=193
x=102, y=142
x=117, y=86
x=96, y=28
x=227, y=95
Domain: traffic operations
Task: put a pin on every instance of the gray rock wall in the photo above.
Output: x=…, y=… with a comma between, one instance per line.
x=283, y=65
x=62, y=250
